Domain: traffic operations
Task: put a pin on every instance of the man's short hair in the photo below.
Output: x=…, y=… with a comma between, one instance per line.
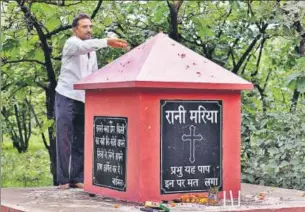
x=79, y=17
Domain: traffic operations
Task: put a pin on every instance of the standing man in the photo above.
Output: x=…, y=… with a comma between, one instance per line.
x=78, y=61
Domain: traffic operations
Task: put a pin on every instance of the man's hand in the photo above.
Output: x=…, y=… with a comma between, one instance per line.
x=117, y=43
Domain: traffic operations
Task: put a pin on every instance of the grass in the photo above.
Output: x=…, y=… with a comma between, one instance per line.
x=30, y=169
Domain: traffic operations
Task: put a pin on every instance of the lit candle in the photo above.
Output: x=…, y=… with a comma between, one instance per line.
x=231, y=196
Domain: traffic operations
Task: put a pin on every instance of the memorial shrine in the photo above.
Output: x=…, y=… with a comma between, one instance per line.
x=162, y=121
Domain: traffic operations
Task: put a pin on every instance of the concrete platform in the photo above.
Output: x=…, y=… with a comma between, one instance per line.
x=50, y=199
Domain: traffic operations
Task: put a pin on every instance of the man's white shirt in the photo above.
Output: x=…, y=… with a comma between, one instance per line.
x=78, y=61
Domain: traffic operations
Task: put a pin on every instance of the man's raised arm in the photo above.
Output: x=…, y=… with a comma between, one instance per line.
x=78, y=47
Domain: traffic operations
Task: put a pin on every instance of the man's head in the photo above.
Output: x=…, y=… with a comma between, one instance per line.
x=82, y=26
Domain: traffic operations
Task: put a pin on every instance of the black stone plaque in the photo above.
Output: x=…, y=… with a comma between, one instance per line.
x=191, y=146
x=109, y=158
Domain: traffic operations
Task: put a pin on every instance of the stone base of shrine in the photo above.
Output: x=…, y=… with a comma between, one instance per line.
x=51, y=199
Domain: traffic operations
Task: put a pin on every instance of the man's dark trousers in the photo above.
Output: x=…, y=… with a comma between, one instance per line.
x=69, y=116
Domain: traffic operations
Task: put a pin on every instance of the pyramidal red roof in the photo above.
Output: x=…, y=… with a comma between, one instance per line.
x=161, y=62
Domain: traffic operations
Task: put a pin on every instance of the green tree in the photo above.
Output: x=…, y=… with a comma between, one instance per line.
x=262, y=41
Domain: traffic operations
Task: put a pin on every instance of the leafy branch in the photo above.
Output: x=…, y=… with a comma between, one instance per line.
x=69, y=26
x=5, y=61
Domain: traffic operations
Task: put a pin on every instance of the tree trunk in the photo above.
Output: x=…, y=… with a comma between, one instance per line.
x=173, y=19
x=50, y=100
x=50, y=90
x=294, y=100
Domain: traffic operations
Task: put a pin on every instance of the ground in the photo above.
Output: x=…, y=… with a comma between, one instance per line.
x=51, y=199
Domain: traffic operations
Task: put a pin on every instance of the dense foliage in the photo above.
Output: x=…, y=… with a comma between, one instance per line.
x=261, y=41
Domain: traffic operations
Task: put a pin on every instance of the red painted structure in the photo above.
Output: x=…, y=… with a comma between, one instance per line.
x=133, y=85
